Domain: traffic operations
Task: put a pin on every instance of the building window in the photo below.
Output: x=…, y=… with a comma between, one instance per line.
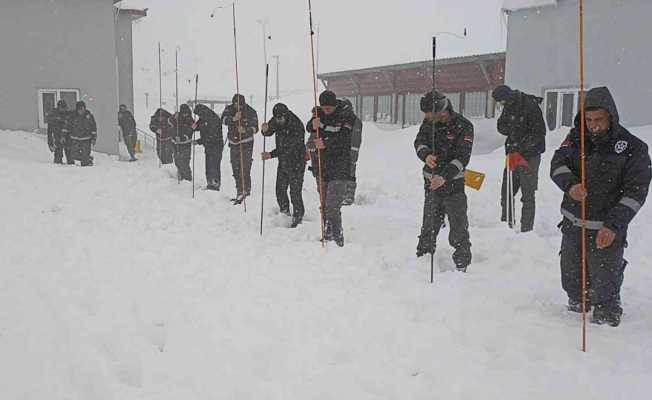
x=475, y=104
x=561, y=107
x=455, y=100
x=48, y=99
x=367, y=108
x=384, y=113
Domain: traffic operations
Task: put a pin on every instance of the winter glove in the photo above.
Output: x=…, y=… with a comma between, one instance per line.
x=515, y=159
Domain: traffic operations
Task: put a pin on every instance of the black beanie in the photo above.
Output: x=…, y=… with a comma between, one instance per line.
x=235, y=98
x=62, y=104
x=80, y=105
x=440, y=102
x=327, y=98
x=280, y=110
x=501, y=93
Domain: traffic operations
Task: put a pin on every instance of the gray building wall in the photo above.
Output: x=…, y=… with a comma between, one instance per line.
x=124, y=46
x=63, y=44
x=542, y=51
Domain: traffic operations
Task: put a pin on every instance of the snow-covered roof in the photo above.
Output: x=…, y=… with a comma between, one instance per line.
x=512, y=5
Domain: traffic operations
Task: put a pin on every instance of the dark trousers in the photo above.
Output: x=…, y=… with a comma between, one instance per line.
x=236, y=162
x=61, y=146
x=435, y=208
x=130, y=139
x=605, y=268
x=165, y=151
x=527, y=181
x=213, y=153
x=290, y=176
x=81, y=150
x=334, y=191
x=182, y=154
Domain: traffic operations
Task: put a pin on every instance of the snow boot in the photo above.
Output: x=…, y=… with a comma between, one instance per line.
x=425, y=246
x=285, y=212
x=576, y=306
x=239, y=199
x=296, y=220
x=609, y=315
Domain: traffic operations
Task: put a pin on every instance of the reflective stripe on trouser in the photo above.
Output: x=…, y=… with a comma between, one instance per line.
x=527, y=181
x=335, y=191
x=291, y=177
x=352, y=184
x=247, y=154
x=605, y=267
x=435, y=209
x=81, y=150
x=213, y=158
x=182, y=154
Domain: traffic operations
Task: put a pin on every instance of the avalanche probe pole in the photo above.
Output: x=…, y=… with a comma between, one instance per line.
x=583, y=172
x=318, y=135
x=239, y=122
x=159, y=142
x=193, y=139
x=262, y=196
x=432, y=207
x=176, y=82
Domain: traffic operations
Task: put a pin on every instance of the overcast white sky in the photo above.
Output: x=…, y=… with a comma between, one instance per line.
x=353, y=34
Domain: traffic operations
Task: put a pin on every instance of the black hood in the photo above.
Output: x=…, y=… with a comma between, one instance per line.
x=203, y=111
x=600, y=97
x=161, y=113
x=185, y=109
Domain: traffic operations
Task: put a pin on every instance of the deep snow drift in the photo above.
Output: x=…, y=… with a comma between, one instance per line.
x=116, y=285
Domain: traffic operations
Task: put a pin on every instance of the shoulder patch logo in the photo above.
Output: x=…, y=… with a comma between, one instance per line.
x=620, y=146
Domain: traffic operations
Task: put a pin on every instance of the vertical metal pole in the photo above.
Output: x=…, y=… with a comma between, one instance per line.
x=193, y=138
x=583, y=172
x=262, y=196
x=432, y=210
x=176, y=80
x=318, y=135
x=159, y=143
x=239, y=122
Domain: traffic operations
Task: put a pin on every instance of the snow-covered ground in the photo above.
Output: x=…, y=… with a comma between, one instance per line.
x=116, y=285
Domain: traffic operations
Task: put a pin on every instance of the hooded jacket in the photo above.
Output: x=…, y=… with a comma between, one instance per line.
x=249, y=121
x=453, y=144
x=83, y=127
x=522, y=122
x=617, y=171
x=127, y=122
x=290, y=147
x=182, y=123
x=209, y=126
x=335, y=130
x=161, y=120
x=58, y=124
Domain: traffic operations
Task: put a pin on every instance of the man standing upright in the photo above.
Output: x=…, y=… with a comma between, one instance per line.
x=617, y=183
x=83, y=134
x=58, y=134
x=522, y=122
x=128, y=126
x=335, y=120
x=444, y=144
x=356, y=142
x=242, y=123
x=291, y=153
